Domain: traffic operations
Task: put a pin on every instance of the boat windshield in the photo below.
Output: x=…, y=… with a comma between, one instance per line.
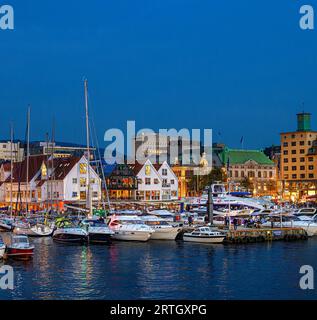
x=22, y=240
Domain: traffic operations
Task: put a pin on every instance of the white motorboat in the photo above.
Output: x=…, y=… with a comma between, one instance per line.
x=310, y=226
x=67, y=232
x=222, y=199
x=204, y=235
x=19, y=248
x=41, y=230
x=163, y=230
x=6, y=224
x=130, y=228
x=98, y=231
x=2, y=248
x=305, y=213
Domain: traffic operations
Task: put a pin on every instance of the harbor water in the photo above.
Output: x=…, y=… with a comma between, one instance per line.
x=163, y=270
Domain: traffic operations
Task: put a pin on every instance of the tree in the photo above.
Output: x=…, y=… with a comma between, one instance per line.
x=199, y=182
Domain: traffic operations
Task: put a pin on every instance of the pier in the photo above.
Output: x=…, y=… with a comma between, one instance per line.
x=265, y=234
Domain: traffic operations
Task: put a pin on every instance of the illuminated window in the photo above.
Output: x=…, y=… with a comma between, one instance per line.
x=148, y=170
x=82, y=168
x=82, y=182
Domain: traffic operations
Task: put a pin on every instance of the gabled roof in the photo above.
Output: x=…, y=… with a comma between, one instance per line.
x=20, y=168
x=62, y=167
x=242, y=156
x=6, y=166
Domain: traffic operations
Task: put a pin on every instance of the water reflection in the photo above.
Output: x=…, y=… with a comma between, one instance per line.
x=162, y=270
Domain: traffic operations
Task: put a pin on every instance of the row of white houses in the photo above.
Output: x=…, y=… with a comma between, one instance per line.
x=59, y=181
x=64, y=180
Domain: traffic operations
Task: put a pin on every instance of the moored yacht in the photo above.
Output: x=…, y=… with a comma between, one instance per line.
x=68, y=232
x=163, y=230
x=130, y=228
x=98, y=231
x=19, y=248
x=204, y=235
x=6, y=224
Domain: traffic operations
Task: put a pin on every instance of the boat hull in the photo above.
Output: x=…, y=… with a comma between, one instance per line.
x=20, y=254
x=99, y=237
x=203, y=239
x=69, y=236
x=165, y=234
x=131, y=236
x=4, y=228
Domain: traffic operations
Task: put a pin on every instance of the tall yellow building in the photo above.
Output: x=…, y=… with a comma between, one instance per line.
x=298, y=166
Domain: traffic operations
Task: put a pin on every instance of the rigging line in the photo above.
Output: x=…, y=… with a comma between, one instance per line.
x=100, y=159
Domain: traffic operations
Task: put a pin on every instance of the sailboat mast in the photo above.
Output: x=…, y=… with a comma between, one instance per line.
x=11, y=169
x=28, y=160
x=88, y=198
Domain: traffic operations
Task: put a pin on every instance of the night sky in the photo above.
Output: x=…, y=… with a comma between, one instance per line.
x=242, y=68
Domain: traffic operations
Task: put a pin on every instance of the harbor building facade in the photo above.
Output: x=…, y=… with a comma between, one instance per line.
x=298, y=160
x=250, y=170
x=10, y=151
x=155, y=182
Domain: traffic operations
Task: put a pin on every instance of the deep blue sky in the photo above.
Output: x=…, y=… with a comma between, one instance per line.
x=238, y=67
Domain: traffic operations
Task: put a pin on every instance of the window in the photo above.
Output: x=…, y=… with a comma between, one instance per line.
x=311, y=175
x=285, y=152
x=164, y=172
x=286, y=168
x=294, y=176
x=302, y=167
x=92, y=181
x=156, y=181
x=147, y=181
x=74, y=194
x=310, y=159
x=293, y=151
x=285, y=160
x=172, y=181
x=82, y=168
x=148, y=170
x=242, y=174
x=302, y=176
x=302, y=143
x=294, y=168
x=271, y=174
x=310, y=167
x=265, y=174
x=236, y=174
x=302, y=159
x=82, y=195
x=285, y=176
x=301, y=151
x=95, y=194
x=285, y=144
x=294, y=144
x=82, y=182
x=74, y=180
x=293, y=159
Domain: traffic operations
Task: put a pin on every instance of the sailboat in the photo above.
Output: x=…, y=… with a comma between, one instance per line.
x=66, y=230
